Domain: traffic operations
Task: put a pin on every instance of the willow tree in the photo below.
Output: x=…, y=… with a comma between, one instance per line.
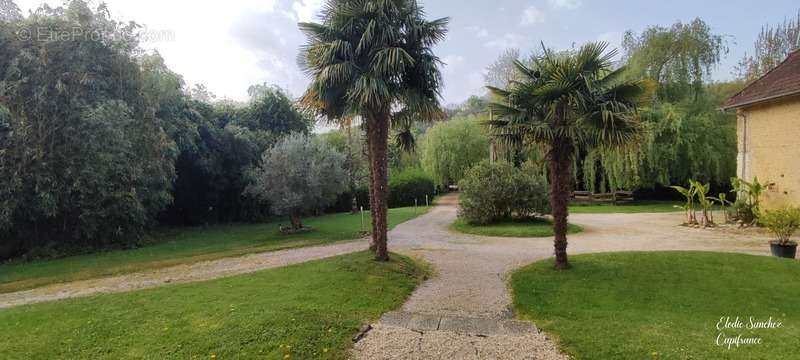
x=449, y=149
x=568, y=102
x=679, y=58
x=373, y=59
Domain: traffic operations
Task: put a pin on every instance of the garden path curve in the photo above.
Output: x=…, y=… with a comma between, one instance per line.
x=200, y=271
x=464, y=311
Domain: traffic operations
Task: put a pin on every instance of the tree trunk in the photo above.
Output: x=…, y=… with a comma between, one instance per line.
x=372, y=245
x=353, y=201
x=297, y=223
x=351, y=176
x=560, y=162
x=377, y=138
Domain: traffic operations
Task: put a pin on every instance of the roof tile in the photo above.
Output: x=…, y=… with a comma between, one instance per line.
x=783, y=80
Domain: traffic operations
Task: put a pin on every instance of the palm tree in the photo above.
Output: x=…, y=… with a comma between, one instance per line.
x=373, y=59
x=567, y=102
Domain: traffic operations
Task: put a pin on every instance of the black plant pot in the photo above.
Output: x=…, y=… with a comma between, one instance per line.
x=788, y=251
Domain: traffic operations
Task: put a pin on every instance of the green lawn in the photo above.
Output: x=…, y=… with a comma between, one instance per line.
x=305, y=311
x=188, y=245
x=632, y=208
x=511, y=228
x=663, y=305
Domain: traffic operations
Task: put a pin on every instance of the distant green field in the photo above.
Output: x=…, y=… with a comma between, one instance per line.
x=303, y=311
x=189, y=245
x=632, y=208
x=512, y=228
x=663, y=305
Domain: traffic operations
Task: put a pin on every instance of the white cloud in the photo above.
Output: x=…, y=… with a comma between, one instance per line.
x=477, y=82
x=306, y=10
x=202, y=47
x=564, y=4
x=507, y=41
x=451, y=62
x=531, y=16
x=478, y=31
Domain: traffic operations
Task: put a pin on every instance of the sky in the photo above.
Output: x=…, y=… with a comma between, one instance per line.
x=232, y=44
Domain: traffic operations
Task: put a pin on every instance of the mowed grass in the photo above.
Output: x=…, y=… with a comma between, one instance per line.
x=644, y=206
x=663, y=305
x=523, y=228
x=189, y=245
x=305, y=311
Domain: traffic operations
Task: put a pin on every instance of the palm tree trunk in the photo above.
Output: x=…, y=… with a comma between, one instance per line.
x=560, y=161
x=377, y=138
x=372, y=245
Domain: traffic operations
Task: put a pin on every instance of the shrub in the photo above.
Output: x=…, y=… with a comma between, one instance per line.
x=782, y=222
x=531, y=193
x=404, y=188
x=344, y=202
x=494, y=192
x=747, y=206
x=409, y=185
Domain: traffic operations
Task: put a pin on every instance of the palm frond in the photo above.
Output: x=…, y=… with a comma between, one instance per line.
x=373, y=56
x=574, y=97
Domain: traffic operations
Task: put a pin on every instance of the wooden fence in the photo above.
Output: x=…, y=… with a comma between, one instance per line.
x=588, y=197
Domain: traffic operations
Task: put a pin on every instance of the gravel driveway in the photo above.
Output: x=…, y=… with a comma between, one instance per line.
x=205, y=270
x=464, y=311
x=469, y=294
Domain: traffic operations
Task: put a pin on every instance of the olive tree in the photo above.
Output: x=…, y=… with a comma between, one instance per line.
x=298, y=176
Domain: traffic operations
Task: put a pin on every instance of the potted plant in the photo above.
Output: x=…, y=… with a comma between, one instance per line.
x=783, y=223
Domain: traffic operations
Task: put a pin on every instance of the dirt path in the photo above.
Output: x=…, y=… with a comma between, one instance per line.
x=464, y=311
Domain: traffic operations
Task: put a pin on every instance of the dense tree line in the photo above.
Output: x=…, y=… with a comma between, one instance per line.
x=85, y=155
x=685, y=135
x=217, y=144
x=99, y=140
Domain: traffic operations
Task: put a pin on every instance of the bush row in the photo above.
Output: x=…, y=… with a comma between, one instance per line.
x=405, y=187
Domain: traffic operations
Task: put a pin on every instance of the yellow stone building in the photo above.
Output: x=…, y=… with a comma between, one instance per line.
x=768, y=129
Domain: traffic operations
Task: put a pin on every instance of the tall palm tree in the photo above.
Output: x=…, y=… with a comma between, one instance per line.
x=567, y=102
x=373, y=59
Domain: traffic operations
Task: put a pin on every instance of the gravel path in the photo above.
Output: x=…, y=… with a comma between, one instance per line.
x=464, y=311
x=469, y=293
x=206, y=270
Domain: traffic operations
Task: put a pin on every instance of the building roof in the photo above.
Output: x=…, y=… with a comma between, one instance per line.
x=783, y=80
